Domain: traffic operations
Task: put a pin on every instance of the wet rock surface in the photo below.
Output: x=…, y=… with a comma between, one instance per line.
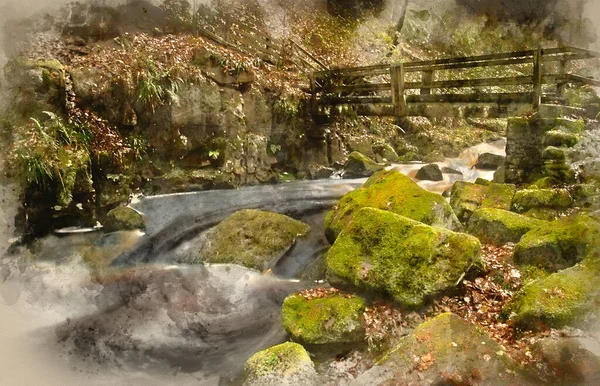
x=430, y=172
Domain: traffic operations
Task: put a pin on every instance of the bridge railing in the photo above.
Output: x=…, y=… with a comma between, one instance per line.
x=402, y=84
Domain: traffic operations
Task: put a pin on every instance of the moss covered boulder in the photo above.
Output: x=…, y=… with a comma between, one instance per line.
x=123, y=218
x=445, y=350
x=334, y=318
x=499, y=196
x=467, y=197
x=287, y=363
x=567, y=298
x=359, y=166
x=527, y=199
x=559, y=138
x=497, y=226
x=393, y=191
x=559, y=244
x=251, y=238
x=383, y=252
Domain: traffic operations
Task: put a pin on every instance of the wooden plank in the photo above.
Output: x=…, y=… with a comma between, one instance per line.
x=583, y=80
x=357, y=100
x=360, y=87
x=312, y=57
x=313, y=93
x=501, y=98
x=537, y=78
x=426, y=80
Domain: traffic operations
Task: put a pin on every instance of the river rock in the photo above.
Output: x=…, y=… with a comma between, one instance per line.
x=393, y=191
x=567, y=361
x=251, y=238
x=559, y=244
x=445, y=350
x=566, y=298
x=448, y=170
x=412, y=262
x=284, y=364
x=333, y=318
x=320, y=172
x=430, y=172
x=527, y=199
x=466, y=198
x=359, y=166
x=498, y=227
x=489, y=161
x=123, y=218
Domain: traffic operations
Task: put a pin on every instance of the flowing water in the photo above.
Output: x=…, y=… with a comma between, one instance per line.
x=152, y=320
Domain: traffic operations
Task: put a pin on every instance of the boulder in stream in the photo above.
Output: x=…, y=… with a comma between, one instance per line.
x=284, y=364
x=359, y=166
x=384, y=252
x=445, y=350
x=489, y=161
x=332, y=318
x=251, y=238
x=123, y=218
x=397, y=193
x=498, y=227
x=430, y=172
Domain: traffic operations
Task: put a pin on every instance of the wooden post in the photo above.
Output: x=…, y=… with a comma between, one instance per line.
x=562, y=70
x=313, y=93
x=427, y=78
x=398, y=97
x=537, y=78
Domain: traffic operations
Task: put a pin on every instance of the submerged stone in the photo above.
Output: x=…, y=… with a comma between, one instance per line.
x=123, y=218
x=359, y=166
x=287, y=363
x=251, y=238
x=430, y=172
x=383, y=252
x=559, y=244
x=497, y=226
x=445, y=350
x=334, y=318
x=397, y=193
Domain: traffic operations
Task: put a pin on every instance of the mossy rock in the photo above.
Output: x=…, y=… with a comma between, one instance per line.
x=499, y=196
x=567, y=298
x=466, y=198
x=554, y=155
x=544, y=183
x=251, y=238
x=559, y=139
x=393, y=191
x=482, y=181
x=527, y=199
x=445, y=350
x=559, y=171
x=573, y=126
x=123, y=218
x=497, y=226
x=559, y=244
x=387, y=253
x=567, y=361
x=331, y=319
x=359, y=166
x=281, y=364
x=545, y=214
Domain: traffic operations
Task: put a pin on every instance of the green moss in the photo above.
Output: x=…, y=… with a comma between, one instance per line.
x=393, y=191
x=331, y=319
x=466, y=198
x=482, y=181
x=359, y=165
x=252, y=238
x=499, y=196
x=559, y=244
x=543, y=214
x=384, y=252
x=561, y=299
x=544, y=183
x=559, y=139
x=497, y=226
x=560, y=172
x=123, y=218
x=544, y=198
x=573, y=126
x=553, y=154
x=285, y=359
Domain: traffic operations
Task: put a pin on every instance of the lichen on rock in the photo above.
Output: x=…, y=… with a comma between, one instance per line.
x=287, y=363
x=334, y=318
x=251, y=238
x=497, y=226
x=384, y=252
x=397, y=193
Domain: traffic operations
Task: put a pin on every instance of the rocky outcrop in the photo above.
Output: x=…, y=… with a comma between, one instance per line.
x=284, y=364
x=444, y=350
x=333, y=318
x=251, y=238
x=559, y=244
x=497, y=226
x=397, y=193
x=384, y=252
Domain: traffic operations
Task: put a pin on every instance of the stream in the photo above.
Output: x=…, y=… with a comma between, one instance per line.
x=151, y=320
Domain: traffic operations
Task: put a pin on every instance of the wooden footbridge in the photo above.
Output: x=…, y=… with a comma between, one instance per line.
x=497, y=85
